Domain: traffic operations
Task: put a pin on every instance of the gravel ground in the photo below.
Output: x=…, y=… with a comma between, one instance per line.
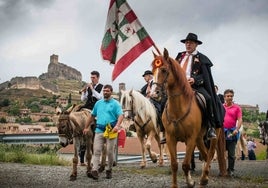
x=13, y=175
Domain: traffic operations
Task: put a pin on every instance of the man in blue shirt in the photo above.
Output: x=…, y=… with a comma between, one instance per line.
x=108, y=112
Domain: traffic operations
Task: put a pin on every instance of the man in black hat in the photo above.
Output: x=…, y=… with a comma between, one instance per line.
x=146, y=89
x=158, y=103
x=197, y=68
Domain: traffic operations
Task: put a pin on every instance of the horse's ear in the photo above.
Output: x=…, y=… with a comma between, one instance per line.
x=58, y=110
x=131, y=91
x=166, y=55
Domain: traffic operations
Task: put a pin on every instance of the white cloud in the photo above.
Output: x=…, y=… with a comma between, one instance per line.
x=233, y=34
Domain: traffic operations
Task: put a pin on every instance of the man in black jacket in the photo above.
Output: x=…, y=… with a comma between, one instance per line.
x=197, y=68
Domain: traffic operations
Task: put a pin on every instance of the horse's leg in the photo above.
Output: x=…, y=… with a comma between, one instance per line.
x=148, y=144
x=206, y=157
x=187, y=161
x=89, y=153
x=221, y=151
x=161, y=149
x=75, y=159
x=143, y=157
x=172, y=147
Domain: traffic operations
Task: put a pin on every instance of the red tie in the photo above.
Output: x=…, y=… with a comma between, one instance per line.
x=184, y=67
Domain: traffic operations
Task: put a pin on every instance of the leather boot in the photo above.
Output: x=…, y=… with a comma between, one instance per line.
x=211, y=134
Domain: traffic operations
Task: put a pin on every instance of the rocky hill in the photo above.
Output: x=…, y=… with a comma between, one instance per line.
x=60, y=80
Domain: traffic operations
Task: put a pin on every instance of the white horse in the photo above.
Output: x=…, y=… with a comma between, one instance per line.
x=143, y=114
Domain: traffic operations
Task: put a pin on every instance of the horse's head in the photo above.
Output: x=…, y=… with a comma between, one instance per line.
x=64, y=129
x=169, y=75
x=161, y=69
x=127, y=103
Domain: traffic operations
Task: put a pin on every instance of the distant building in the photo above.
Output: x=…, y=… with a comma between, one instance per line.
x=254, y=109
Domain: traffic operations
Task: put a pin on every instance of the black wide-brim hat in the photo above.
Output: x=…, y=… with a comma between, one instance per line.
x=191, y=37
x=148, y=72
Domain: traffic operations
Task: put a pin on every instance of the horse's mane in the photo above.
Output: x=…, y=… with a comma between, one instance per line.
x=145, y=105
x=180, y=76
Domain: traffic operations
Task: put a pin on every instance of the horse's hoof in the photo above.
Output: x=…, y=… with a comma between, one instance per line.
x=101, y=169
x=89, y=174
x=203, y=182
x=142, y=166
x=161, y=164
x=72, y=178
x=191, y=185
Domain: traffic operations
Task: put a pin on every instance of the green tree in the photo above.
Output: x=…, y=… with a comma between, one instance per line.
x=3, y=120
x=45, y=119
x=44, y=102
x=4, y=102
x=24, y=120
x=14, y=110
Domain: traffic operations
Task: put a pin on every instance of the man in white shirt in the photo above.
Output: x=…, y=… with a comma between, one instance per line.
x=91, y=93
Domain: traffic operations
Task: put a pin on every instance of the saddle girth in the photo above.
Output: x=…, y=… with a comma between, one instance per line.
x=201, y=101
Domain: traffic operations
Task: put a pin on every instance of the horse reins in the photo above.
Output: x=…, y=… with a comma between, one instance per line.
x=135, y=115
x=181, y=118
x=175, y=122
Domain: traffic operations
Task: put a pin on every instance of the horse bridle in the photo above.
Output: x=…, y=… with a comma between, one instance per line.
x=68, y=132
x=134, y=115
x=162, y=86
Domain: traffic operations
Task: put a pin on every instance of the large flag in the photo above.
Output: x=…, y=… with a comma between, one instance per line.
x=125, y=38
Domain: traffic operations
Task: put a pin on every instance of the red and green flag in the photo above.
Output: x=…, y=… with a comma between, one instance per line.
x=125, y=38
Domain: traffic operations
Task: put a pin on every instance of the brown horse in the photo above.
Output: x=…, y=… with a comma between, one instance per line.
x=182, y=118
x=139, y=109
x=70, y=128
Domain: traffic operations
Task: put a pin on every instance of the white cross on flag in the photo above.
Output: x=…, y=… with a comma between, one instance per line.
x=125, y=38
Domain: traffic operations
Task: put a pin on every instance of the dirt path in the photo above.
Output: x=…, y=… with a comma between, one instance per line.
x=13, y=175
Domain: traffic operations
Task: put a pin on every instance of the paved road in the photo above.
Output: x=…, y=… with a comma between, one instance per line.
x=13, y=175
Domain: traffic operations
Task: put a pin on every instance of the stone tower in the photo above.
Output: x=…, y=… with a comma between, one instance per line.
x=54, y=58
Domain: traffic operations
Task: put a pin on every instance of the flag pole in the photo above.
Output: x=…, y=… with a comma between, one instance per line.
x=157, y=49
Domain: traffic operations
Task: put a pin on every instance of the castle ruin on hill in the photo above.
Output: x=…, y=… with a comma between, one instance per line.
x=55, y=71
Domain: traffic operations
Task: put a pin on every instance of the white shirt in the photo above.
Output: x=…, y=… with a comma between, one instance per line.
x=189, y=66
x=94, y=94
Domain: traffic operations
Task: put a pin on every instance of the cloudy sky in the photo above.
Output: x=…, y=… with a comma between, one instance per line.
x=234, y=36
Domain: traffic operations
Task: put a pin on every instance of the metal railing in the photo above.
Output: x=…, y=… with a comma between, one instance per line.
x=34, y=138
x=131, y=159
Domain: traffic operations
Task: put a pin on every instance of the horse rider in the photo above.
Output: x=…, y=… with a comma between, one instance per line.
x=91, y=93
x=197, y=68
x=159, y=103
